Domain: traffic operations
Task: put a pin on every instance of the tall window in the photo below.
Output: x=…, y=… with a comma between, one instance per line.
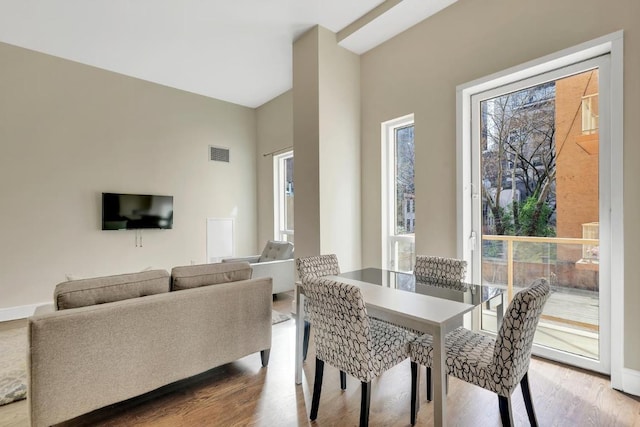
x=283, y=203
x=398, y=194
x=539, y=203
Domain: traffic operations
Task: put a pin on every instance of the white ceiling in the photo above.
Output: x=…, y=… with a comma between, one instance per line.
x=235, y=50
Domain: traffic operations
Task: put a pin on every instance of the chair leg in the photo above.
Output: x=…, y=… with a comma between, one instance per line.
x=305, y=339
x=264, y=357
x=415, y=392
x=506, y=414
x=343, y=380
x=429, y=385
x=365, y=403
x=305, y=348
x=526, y=394
x=317, y=388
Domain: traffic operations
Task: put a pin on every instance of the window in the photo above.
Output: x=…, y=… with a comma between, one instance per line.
x=584, y=129
x=590, y=114
x=398, y=204
x=283, y=200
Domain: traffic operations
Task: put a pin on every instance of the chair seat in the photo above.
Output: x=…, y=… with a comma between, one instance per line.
x=390, y=343
x=390, y=346
x=469, y=356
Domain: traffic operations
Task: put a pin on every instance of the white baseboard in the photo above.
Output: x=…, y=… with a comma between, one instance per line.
x=18, y=312
x=631, y=381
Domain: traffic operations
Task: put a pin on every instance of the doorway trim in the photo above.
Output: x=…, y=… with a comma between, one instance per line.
x=611, y=44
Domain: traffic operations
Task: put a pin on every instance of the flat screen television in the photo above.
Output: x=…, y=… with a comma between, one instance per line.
x=136, y=211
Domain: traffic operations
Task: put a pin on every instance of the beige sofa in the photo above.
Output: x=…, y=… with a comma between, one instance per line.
x=107, y=342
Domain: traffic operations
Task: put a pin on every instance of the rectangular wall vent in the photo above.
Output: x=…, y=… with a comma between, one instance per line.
x=218, y=154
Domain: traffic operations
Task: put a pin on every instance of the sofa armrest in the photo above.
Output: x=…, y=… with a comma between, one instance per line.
x=44, y=309
x=282, y=272
x=250, y=259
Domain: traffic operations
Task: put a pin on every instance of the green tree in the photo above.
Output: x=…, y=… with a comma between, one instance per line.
x=527, y=219
x=518, y=140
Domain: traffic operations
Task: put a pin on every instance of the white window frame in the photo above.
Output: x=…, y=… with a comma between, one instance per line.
x=388, y=193
x=280, y=232
x=611, y=44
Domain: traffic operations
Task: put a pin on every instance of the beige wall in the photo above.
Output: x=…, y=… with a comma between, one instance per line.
x=69, y=132
x=326, y=130
x=275, y=132
x=339, y=153
x=418, y=72
x=306, y=136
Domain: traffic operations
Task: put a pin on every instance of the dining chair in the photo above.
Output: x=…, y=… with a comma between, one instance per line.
x=317, y=266
x=346, y=338
x=495, y=364
x=442, y=272
x=312, y=267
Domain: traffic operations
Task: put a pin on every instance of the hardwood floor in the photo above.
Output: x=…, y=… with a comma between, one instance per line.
x=242, y=393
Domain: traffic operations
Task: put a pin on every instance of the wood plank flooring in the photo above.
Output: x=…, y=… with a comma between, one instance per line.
x=244, y=394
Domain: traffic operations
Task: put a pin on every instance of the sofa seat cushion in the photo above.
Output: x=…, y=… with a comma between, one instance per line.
x=276, y=251
x=194, y=276
x=100, y=290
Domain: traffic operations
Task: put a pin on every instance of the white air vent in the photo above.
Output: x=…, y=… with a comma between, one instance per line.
x=218, y=154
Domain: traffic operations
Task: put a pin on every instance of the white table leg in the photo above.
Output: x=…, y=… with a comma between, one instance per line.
x=299, y=332
x=439, y=378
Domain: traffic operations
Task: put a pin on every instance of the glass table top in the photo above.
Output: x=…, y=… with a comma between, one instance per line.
x=453, y=290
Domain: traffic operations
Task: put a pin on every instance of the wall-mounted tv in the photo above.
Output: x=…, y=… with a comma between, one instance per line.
x=136, y=211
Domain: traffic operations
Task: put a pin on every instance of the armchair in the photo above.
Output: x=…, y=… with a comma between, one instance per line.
x=276, y=261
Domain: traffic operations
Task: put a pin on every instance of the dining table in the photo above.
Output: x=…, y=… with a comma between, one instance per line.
x=430, y=305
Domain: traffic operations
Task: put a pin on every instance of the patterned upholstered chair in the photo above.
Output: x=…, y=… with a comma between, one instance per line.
x=317, y=266
x=348, y=339
x=439, y=271
x=312, y=267
x=443, y=272
x=496, y=364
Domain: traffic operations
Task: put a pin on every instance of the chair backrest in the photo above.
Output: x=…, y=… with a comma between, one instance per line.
x=341, y=329
x=276, y=250
x=446, y=272
x=317, y=266
x=512, y=351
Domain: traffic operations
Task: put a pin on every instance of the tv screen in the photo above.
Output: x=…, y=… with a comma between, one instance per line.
x=136, y=211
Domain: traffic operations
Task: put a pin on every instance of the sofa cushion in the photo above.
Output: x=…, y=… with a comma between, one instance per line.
x=276, y=250
x=194, y=276
x=99, y=290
